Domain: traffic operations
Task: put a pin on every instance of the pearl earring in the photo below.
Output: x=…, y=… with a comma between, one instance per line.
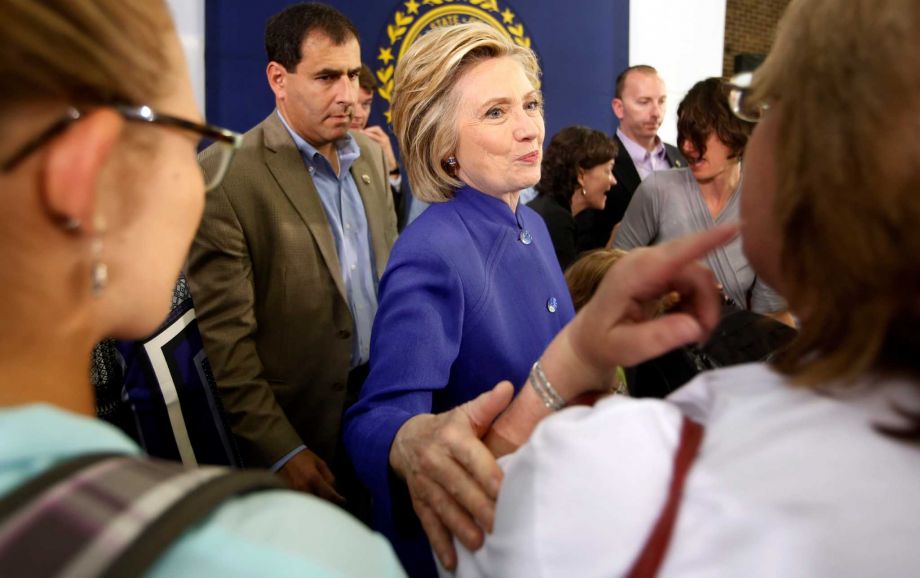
x=99, y=271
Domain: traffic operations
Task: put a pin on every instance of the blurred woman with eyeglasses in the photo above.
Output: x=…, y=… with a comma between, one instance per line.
x=101, y=195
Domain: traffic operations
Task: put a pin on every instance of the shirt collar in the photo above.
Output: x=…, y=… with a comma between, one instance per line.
x=346, y=147
x=637, y=152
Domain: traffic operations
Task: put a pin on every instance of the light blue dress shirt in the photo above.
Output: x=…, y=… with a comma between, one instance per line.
x=345, y=212
x=348, y=221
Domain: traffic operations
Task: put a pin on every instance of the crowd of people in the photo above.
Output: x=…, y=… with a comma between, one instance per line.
x=457, y=395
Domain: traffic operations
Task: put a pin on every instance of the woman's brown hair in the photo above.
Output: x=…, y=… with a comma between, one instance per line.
x=571, y=149
x=82, y=52
x=704, y=111
x=584, y=275
x=844, y=75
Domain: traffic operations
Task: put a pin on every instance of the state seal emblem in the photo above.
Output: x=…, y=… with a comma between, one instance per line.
x=412, y=19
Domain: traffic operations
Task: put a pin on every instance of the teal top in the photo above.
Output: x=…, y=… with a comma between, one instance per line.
x=272, y=533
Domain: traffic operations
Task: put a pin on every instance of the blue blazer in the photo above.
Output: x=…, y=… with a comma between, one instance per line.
x=472, y=294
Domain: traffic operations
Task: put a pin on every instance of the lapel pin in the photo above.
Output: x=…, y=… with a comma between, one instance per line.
x=366, y=179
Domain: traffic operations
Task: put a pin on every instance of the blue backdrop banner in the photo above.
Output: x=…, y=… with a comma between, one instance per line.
x=581, y=45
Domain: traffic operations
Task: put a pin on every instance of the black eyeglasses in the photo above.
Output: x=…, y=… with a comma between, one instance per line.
x=739, y=100
x=227, y=141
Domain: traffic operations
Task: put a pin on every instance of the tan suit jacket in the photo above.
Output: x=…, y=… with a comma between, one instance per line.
x=269, y=294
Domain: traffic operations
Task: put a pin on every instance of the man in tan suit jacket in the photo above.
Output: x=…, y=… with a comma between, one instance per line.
x=279, y=320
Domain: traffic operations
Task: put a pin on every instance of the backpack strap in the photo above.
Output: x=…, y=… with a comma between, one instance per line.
x=656, y=546
x=106, y=515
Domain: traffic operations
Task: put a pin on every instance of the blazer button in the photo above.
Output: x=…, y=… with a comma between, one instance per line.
x=552, y=305
x=343, y=334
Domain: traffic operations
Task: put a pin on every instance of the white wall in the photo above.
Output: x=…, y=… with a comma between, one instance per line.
x=683, y=40
x=189, y=17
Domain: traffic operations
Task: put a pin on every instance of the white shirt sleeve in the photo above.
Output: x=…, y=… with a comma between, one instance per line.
x=580, y=498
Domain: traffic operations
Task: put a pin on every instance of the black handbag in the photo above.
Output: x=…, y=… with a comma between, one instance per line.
x=741, y=336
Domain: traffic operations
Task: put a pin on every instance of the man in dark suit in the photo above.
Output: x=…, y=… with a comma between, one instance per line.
x=285, y=265
x=639, y=104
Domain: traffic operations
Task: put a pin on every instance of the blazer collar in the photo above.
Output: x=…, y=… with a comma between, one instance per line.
x=286, y=165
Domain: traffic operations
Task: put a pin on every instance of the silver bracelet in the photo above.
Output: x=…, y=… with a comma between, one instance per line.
x=550, y=397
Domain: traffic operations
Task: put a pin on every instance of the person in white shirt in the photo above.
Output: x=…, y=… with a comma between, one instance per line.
x=808, y=465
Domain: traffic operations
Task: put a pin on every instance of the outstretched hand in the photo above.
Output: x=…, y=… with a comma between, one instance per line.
x=453, y=479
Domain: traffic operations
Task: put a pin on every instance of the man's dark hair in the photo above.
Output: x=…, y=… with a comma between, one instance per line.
x=366, y=79
x=286, y=31
x=621, y=79
x=572, y=148
x=704, y=110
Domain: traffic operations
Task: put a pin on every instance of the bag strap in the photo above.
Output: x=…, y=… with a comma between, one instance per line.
x=105, y=515
x=649, y=561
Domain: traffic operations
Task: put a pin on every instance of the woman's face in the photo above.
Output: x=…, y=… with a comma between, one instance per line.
x=595, y=182
x=500, y=123
x=761, y=237
x=715, y=162
x=152, y=221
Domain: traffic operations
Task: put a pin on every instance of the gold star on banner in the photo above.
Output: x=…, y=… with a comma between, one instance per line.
x=412, y=7
x=507, y=16
x=385, y=55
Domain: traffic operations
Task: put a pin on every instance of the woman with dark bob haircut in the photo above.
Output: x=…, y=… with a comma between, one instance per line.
x=577, y=172
x=673, y=203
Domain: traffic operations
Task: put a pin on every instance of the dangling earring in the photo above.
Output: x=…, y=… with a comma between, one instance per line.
x=584, y=193
x=99, y=271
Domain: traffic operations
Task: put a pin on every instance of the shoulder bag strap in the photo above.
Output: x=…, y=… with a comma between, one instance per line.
x=110, y=515
x=653, y=553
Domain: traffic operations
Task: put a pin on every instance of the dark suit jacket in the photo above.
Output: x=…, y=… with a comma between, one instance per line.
x=599, y=224
x=268, y=290
x=561, y=227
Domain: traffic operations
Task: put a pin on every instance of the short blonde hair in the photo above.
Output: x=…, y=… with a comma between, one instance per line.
x=425, y=104
x=848, y=184
x=585, y=275
x=83, y=52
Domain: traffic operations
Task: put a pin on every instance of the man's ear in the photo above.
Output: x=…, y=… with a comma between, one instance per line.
x=73, y=164
x=277, y=79
x=617, y=106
